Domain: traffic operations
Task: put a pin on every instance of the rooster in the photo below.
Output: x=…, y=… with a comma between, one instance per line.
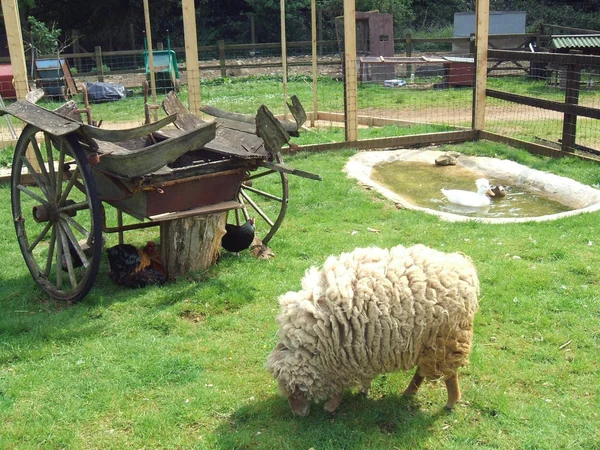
x=238, y=237
x=132, y=267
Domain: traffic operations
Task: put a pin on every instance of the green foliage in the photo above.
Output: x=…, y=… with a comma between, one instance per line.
x=43, y=39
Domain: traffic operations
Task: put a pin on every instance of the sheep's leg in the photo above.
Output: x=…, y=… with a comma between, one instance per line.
x=414, y=384
x=332, y=404
x=453, y=389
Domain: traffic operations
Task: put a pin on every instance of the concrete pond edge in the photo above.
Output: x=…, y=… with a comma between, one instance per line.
x=576, y=195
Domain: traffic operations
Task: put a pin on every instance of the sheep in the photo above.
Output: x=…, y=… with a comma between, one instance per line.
x=374, y=311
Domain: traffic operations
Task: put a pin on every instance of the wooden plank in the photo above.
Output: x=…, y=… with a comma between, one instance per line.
x=191, y=56
x=42, y=118
x=12, y=24
x=291, y=170
x=297, y=111
x=270, y=130
x=532, y=147
x=571, y=98
x=103, y=134
x=551, y=105
x=482, y=17
x=202, y=210
x=185, y=120
x=283, y=55
x=395, y=142
x=558, y=58
x=350, y=86
x=124, y=163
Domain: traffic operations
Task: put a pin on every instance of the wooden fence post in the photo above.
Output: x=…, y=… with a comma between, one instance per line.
x=409, y=48
x=99, y=64
x=569, y=133
x=221, y=46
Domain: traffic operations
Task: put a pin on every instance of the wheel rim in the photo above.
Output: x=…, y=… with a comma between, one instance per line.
x=264, y=195
x=56, y=212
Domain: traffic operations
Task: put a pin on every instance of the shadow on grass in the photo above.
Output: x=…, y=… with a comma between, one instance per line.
x=358, y=423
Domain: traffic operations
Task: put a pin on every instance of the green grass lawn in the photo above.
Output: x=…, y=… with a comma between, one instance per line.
x=182, y=366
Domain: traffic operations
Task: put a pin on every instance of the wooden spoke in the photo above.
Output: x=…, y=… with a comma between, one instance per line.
x=261, y=174
x=59, y=172
x=50, y=157
x=33, y=195
x=75, y=225
x=256, y=208
x=68, y=188
x=74, y=243
x=40, y=160
x=36, y=177
x=41, y=236
x=50, y=253
x=262, y=193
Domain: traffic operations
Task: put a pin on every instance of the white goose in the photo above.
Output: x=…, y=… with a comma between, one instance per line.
x=467, y=198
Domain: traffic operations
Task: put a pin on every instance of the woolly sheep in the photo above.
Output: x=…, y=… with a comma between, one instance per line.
x=375, y=311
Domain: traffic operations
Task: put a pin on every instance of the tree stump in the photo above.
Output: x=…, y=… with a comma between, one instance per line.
x=191, y=243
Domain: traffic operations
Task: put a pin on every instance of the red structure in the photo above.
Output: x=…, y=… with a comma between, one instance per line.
x=7, y=88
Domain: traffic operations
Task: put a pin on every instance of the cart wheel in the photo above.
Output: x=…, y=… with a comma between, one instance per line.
x=58, y=228
x=265, y=196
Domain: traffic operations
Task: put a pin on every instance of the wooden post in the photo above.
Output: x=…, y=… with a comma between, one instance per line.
x=12, y=24
x=150, y=58
x=350, y=90
x=313, y=17
x=252, y=33
x=482, y=17
x=191, y=57
x=221, y=46
x=569, y=133
x=99, y=63
x=284, y=58
x=191, y=243
x=409, y=47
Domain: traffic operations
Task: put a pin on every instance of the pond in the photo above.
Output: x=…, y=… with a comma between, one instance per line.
x=412, y=180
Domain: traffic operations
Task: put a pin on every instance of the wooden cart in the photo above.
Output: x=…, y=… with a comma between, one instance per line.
x=64, y=172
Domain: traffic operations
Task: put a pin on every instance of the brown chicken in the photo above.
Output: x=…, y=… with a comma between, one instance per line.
x=132, y=267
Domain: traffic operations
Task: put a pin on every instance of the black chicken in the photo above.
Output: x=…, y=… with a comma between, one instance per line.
x=238, y=237
x=132, y=267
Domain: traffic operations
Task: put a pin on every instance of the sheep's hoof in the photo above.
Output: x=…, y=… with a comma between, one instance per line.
x=332, y=404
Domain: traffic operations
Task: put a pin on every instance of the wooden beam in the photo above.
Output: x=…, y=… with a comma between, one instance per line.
x=558, y=58
x=313, y=16
x=284, y=58
x=12, y=24
x=566, y=108
x=350, y=85
x=191, y=57
x=571, y=98
x=150, y=56
x=482, y=17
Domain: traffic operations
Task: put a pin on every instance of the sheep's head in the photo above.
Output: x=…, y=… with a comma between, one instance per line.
x=284, y=367
x=299, y=402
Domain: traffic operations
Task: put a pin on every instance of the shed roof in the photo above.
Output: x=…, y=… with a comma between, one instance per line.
x=580, y=41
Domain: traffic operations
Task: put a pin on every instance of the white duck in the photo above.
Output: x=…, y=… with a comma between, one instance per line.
x=467, y=198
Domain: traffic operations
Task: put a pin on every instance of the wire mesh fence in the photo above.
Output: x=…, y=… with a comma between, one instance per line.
x=552, y=100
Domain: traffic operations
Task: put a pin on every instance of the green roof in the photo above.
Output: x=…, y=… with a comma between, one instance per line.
x=581, y=41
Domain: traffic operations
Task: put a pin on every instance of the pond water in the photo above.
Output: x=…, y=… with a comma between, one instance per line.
x=410, y=178
x=420, y=184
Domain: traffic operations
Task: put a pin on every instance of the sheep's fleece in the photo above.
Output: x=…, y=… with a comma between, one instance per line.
x=374, y=311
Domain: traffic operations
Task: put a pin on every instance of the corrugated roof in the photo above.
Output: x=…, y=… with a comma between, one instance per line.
x=582, y=41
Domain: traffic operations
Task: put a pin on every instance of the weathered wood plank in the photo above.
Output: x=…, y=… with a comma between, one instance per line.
x=103, y=134
x=200, y=211
x=290, y=127
x=270, y=130
x=185, y=120
x=292, y=171
x=297, y=111
x=551, y=105
x=124, y=163
x=42, y=118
